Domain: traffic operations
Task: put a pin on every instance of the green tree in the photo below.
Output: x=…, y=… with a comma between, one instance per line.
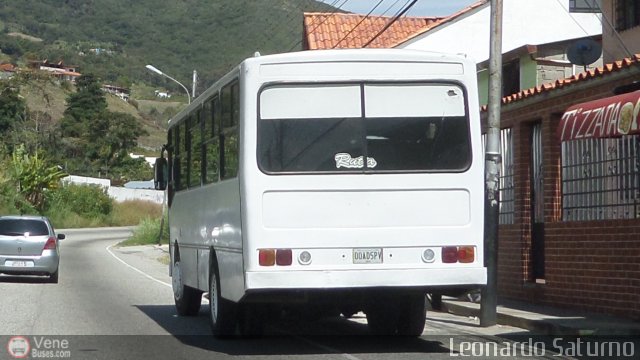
x=94, y=139
x=33, y=176
x=113, y=136
x=12, y=107
x=83, y=107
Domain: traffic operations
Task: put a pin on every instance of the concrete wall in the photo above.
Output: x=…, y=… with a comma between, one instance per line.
x=525, y=22
x=615, y=44
x=119, y=194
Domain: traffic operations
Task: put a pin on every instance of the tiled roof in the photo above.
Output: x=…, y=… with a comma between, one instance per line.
x=348, y=31
x=583, y=76
x=7, y=67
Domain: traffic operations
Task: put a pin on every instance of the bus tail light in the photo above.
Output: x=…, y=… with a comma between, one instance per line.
x=466, y=254
x=458, y=254
x=284, y=257
x=267, y=257
x=449, y=254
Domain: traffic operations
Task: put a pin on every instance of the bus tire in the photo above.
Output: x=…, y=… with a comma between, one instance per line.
x=383, y=320
x=187, y=299
x=413, y=316
x=222, y=312
x=251, y=318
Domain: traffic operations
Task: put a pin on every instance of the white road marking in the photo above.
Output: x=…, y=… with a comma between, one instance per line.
x=136, y=269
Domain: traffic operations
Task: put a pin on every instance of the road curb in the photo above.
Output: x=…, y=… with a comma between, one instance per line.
x=543, y=326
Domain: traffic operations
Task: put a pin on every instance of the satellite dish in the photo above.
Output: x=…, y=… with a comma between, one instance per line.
x=584, y=52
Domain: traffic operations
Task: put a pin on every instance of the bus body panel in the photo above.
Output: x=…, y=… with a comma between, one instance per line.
x=209, y=218
x=329, y=215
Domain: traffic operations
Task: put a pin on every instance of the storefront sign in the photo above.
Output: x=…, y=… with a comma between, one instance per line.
x=609, y=117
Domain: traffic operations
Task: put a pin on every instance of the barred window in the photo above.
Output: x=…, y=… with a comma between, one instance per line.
x=627, y=14
x=507, y=192
x=506, y=186
x=601, y=178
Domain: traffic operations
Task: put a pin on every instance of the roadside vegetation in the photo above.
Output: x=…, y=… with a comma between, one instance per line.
x=147, y=233
x=36, y=154
x=37, y=190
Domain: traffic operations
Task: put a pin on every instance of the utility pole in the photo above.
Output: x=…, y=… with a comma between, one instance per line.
x=493, y=159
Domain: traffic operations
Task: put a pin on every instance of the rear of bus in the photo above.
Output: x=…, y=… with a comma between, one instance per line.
x=366, y=176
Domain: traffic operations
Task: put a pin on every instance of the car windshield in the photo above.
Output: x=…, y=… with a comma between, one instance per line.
x=22, y=226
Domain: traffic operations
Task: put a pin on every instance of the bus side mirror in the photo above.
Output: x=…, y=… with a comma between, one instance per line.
x=160, y=174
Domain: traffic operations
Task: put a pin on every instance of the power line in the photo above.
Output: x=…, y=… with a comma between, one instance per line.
x=358, y=24
x=384, y=13
x=396, y=18
x=322, y=22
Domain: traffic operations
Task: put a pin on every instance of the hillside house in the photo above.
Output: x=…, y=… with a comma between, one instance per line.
x=58, y=70
x=7, y=70
x=121, y=92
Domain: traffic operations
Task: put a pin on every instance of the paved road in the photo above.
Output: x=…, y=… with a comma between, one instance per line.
x=116, y=303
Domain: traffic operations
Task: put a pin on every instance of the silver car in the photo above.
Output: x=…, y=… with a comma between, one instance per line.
x=29, y=246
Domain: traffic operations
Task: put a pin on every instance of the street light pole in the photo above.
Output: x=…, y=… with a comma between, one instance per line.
x=155, y=70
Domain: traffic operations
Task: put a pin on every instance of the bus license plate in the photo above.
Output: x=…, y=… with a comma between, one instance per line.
x=367, y=256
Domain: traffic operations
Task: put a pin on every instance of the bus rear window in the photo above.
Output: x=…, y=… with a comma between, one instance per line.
x=378, y=128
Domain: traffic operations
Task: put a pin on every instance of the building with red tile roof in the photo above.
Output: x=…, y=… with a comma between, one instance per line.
x=569, y=205
x=348, y=31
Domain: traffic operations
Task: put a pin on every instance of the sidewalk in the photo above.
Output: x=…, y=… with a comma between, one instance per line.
x=545, y=320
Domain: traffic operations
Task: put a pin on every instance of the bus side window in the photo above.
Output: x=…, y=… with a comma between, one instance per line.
x=230, y=130
x=195, y=150
x=177, y=155
x=212, y=141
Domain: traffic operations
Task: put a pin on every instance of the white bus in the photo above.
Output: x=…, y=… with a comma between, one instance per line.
x=339, y=181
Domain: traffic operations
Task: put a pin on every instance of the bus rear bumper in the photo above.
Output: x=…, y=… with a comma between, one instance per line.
x=323, y=279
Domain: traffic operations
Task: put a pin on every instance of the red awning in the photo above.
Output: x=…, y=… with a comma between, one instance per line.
x=608, y=117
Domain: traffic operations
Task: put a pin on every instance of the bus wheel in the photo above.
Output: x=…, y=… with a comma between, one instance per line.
x=251, y=318
x=222, y=313
x=187, y=299
x=413, y=315
x=383, y=320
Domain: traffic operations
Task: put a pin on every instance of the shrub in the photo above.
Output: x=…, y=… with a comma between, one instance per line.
x=147, y=233
x=132, y=212
x=89, y=201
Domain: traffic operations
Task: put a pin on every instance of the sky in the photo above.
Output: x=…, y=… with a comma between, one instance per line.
x=390, y=7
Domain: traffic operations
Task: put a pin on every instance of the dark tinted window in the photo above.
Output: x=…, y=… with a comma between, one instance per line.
x=22, y=226
x=212, y=143
x=230, y=130
x=395, y=127
x=195, y=150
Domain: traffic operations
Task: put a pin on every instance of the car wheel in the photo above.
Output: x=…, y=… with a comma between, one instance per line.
x=53, y=278
x=187, y=299
x=222, y=312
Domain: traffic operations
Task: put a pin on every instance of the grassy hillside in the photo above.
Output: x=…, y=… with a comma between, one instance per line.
x=50, y=98
x=178, y=37
x=209, y=36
